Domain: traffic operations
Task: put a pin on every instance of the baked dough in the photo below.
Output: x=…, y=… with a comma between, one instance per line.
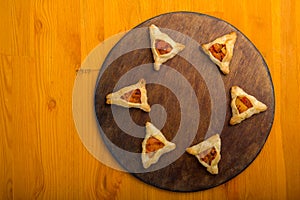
x=154, y=145
x=208, y=153
x=220, y=51
x=162, y=46
x=244, y=105
x=133, y=96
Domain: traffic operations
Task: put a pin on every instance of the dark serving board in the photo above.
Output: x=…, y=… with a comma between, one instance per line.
x=132, y=58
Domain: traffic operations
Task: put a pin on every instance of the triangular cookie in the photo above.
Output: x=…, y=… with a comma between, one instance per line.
x=243, y=105
x=162, y=46
x=133, y=96
x=154, y=145
x=220, y=51
x=208, y=153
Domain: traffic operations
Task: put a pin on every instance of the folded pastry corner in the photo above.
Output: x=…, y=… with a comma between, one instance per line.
x=208, y=153
x=154, y=146
x=162, y=46
x=132, y=96
x=243, y=105
x=220, y=51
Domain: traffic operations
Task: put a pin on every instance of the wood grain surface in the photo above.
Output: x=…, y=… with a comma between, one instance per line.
x=42, y=45
x=240, y=144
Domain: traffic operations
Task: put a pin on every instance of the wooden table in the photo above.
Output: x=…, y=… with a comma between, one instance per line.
x=42, y=45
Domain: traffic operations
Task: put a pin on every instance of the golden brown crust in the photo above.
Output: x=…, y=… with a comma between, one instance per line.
x=221, y=56
x=208, y=153
x=133, y=96
x=239, y=113
x=165, y=50
x=151, y=155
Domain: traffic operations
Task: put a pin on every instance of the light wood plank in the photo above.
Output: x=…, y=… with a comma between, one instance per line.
x=290, y=117
x=6, y=126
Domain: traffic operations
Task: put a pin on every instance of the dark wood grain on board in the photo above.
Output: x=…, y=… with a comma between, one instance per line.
x=240, y=143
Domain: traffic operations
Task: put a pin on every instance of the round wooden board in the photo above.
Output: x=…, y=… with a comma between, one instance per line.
x=240, y=143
